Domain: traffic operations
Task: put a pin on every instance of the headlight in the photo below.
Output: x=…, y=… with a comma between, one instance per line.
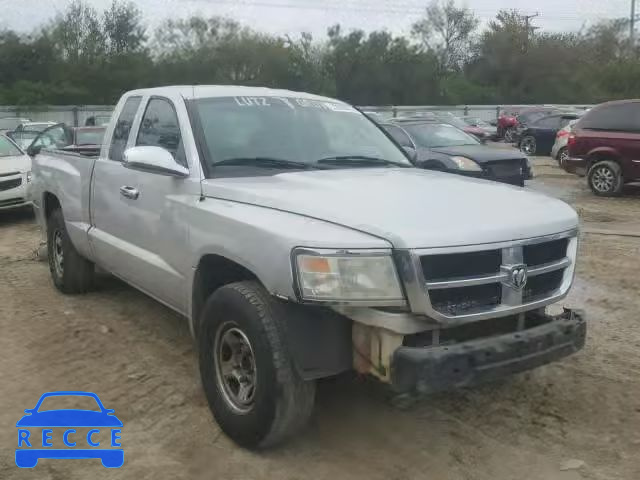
x=28, y=177
x=466, y=164
x=338, y=276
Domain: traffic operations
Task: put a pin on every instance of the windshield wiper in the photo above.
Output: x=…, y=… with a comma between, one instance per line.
x=360, y=160
x=265, y=162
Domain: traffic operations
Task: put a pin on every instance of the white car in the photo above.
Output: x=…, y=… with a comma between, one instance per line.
x=15, y=175
x=559, y=151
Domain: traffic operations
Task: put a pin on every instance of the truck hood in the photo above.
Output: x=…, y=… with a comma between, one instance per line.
x=17, y=163
x=410, y=208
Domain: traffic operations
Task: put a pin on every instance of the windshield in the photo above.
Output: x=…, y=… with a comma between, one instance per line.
x=7, y=148
x=439, y=135
x=291, y=129
x=452, y=120
x=23, y=138
x=89, y=137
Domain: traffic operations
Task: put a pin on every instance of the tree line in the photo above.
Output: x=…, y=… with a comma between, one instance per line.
x=83, y=56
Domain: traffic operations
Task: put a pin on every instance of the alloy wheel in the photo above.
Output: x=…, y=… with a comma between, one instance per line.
x=58, y=254
x=528, y=145
x=603, y=179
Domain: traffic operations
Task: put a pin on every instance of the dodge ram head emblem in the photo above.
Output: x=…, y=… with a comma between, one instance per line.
x=518, y=276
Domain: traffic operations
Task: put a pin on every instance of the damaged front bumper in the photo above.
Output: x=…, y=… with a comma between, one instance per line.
x=435, y=368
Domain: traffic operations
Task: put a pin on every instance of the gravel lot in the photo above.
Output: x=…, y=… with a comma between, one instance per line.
x=579, y=418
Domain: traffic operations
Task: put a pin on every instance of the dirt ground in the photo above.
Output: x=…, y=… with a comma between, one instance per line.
x=579, y=418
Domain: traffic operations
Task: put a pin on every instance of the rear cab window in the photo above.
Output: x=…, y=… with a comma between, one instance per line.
x=122, y=128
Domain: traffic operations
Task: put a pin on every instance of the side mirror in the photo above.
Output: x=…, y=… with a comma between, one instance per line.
x=411, y=152
x=33, y=150
x=153, y=160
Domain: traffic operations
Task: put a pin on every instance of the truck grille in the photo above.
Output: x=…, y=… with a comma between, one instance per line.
x=497, y=280
x=505, y=168
x=9, y=184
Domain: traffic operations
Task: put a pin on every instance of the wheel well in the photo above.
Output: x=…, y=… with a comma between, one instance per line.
x=213, y=272
x=602, y=156
x=50, y=203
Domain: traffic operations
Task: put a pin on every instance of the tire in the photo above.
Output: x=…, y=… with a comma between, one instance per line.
x=528, y=145
x=563, y=154
x=276, y=403
x=508, y=135
x=605, y=178
x=71, y=273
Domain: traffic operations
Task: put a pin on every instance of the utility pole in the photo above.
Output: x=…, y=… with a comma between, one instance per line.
x=527, y=19
x=632, y=24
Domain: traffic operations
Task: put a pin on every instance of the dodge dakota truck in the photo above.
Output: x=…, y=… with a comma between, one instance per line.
x=297, y=239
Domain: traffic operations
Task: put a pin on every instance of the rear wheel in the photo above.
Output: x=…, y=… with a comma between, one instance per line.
x=248, y=374
x=70, y=271
x=528, y=145
x=605, y=178
x=563, y=155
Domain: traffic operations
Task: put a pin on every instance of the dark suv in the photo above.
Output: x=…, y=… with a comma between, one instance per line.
x=605, y=146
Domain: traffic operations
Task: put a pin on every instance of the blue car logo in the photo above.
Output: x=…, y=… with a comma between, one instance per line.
x=32, y=446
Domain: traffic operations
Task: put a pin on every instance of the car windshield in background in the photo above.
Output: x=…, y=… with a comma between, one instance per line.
x=23, y=138
x=7, y=148
x=294, y=130
x=90, y=137
x=433, y=135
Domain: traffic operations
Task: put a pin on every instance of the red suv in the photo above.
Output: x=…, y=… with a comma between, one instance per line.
x=605, y=146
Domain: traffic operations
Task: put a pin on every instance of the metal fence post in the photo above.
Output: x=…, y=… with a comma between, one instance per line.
x=395, y=112
x=466, y=110
x=497, y=112
x=75, y=116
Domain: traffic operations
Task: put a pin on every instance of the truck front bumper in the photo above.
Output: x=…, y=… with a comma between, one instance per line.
x=431, y=369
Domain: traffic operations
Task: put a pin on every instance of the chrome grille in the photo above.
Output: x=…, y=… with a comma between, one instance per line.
x=471, y=283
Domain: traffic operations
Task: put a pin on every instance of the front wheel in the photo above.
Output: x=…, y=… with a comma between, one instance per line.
x=248, y=374
x=70, y=271
x=605, y=178
x=508, y=135
x=528, y=145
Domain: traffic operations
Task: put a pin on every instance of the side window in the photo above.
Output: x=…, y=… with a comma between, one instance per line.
x=160, y=128
x=623, y=117
x=549, y=122
x=122, y=128
x=399, y=135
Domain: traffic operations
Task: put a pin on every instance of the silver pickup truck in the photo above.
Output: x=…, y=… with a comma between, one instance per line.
x=298, y=240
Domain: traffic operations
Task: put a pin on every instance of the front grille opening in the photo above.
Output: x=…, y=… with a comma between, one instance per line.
x=11, y=201
x=546, y=252
x=453, y=265
x=458, y=301
x=9, y=184
x=476, y=330
x=542, y=286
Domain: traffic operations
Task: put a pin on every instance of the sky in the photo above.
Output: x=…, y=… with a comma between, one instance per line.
x=315, y=16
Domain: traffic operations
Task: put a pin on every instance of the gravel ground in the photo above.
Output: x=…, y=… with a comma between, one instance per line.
x=579, y=418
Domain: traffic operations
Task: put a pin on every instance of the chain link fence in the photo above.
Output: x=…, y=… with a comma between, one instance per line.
x=76, y=115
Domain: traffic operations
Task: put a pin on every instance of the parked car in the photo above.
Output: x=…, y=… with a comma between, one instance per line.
x=300, y=242
x=538, y=138
x=440, y=146
x=34, y=126
x=97, y=121
x=560, y=151
x=527, y=117
x=446, y=117
x=490, y=131
x=8, y=124
x=15, y=175
x=605, y=146
x=82, y=140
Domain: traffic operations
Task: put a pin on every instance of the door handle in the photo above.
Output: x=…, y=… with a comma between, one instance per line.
x=129, y=192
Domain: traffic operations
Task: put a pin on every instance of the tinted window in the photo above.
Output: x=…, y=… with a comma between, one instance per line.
x=398, y=135
x=7, y=148
x=549, y=122
x=160, y=128
x=623, y=117
x=530, y=117
x=122, y=128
